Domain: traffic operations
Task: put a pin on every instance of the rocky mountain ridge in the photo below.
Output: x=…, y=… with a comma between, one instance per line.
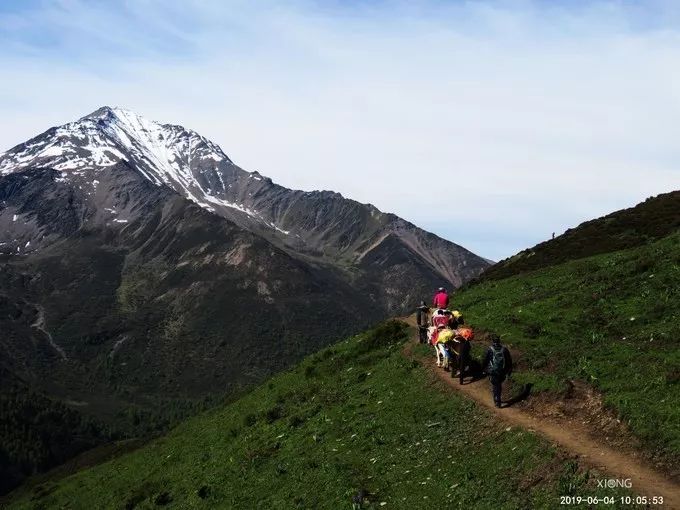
x=320, y=225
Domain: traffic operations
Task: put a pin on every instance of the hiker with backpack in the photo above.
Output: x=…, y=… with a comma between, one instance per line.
x=498, y=366
x=422, y=319
x=441, y=298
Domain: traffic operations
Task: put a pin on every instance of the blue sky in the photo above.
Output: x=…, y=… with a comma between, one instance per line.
x=492, y=124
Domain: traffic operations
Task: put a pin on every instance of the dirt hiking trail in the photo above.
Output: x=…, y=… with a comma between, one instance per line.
x=570, y=434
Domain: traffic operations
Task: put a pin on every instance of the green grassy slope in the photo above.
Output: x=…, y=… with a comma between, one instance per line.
x=612, y=320
x=650, y=220
x=359, y=415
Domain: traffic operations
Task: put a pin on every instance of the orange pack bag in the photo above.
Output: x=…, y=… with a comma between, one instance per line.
x=465, y=333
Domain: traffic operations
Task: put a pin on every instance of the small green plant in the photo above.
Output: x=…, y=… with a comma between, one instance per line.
x=249, y=419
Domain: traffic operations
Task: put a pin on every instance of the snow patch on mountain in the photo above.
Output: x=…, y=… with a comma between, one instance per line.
x=165, y=154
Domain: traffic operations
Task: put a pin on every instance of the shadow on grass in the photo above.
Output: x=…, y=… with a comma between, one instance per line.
x=473, y=372
x=471, y=379
x=523, y=395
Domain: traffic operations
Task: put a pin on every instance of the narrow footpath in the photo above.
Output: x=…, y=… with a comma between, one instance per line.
x=569, y=434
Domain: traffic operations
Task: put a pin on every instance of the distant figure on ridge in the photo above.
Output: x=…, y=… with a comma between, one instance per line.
x=441, y=298
x=498, y=366
x=423, y=321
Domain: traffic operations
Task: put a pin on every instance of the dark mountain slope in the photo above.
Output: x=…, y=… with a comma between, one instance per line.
x=320, y=226
x=137, y=323
x=327, y=226
x=174, y=297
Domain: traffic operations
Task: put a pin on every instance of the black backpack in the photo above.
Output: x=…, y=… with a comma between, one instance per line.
x=497, y=363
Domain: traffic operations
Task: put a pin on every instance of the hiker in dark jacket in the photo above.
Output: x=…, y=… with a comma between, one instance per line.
x=498, y=366
x=423, y=321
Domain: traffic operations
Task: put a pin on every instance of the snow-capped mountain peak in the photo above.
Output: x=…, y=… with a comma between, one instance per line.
x=112, y=168
x=165, y=154
x=167, y=148
x=108, y=135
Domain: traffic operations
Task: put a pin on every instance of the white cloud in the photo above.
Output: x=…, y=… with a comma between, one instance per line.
x=491, y=124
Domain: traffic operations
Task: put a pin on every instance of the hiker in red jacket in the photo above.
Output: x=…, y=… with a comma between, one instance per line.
x=441, y=298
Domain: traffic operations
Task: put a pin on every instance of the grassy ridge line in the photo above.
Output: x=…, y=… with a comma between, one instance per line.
x=655, y=218
x=612, y=320
x=354, y=416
